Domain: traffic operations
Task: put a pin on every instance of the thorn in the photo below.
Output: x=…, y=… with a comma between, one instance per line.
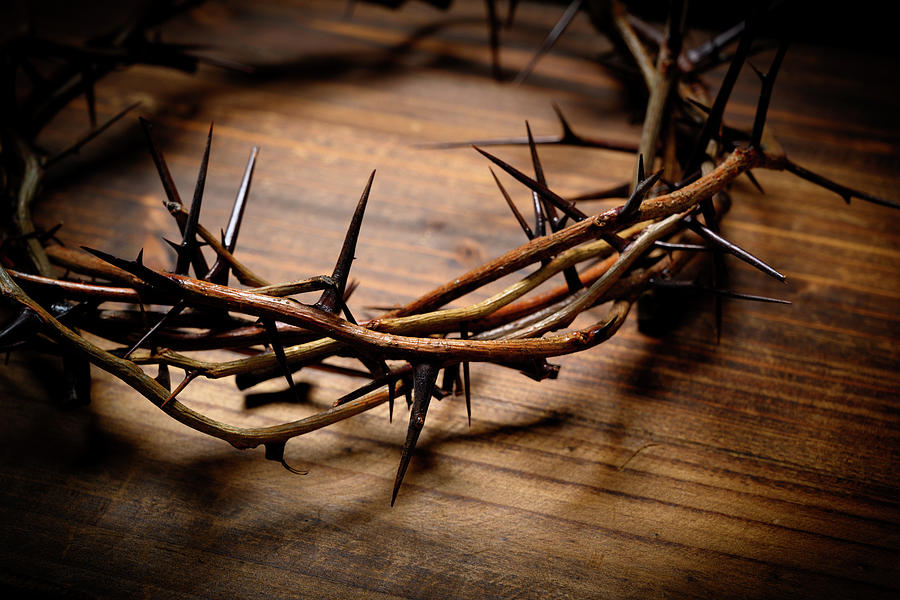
x=188, y=239
x=712, y=47
x=714, y=121
x=331, y=299
x=467, y=384
x=759, y=74
x=714, y=238
x=641, y=189
x=567, y=138
x=765, y=94
x=392, y=392
x=219, y=271
x=21, y=327
x=539, y=177
x=160, y=161
x=558, y=29
x=568, y=134
x=451, y=381
x=425, y=375
x=173, y=312
x=522, y=223
x=561, y=203
x=136, y=268
x=754, y=181
x=278, y=349
x=570, y=273
x=535, y=160
x=189, y=376
x=174, y=205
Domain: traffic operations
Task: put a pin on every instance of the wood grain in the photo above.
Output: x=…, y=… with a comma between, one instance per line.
x=766, y=465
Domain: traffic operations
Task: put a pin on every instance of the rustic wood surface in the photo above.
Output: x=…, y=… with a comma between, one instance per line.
x=767, y=465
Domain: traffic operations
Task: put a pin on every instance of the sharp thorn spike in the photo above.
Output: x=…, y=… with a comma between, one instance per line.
x=714, y=238
x=278, y=349
x=714, y=120
x=425, y=375
x=331, y=299
x=467, y=380
x=754, y=181
x=568, y=134
x=188, y=239
x=240, y=203
x=392, y=392
x=521, y=220
x=171, y=314
x=535, y=160
x=161, y=167
x=760, y=74
x=189, y=376
x=641, y=190
x=557, y=200
x=765, y=94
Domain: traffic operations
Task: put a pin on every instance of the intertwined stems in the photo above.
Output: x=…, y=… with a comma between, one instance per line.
x=506, y=329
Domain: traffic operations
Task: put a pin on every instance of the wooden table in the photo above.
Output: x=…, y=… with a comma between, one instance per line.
x=765, y=465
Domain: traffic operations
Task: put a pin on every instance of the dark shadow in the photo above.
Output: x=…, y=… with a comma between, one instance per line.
x=285, y=396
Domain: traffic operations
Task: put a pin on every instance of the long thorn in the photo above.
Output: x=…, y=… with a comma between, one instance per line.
x=425, y=375
x=189, y=235
x=332, y=299
x=522, y=223
x=219, y=271
x=561, y=203
x=188, y=377
x=765, y=95
x=278, y=350
x=714, y=238
x=161, y=167
x=171, y=314
x=641, y=189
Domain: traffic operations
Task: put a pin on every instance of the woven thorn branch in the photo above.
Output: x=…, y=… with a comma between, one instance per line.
x=667, y=222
